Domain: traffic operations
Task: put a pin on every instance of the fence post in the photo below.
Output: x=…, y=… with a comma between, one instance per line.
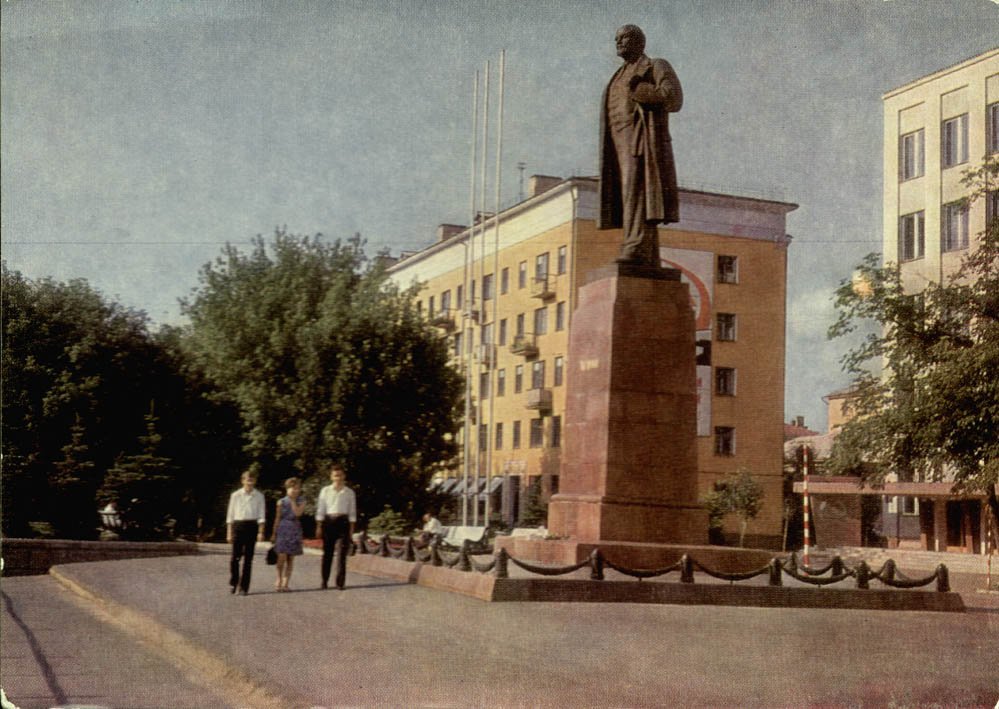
x=888, y=570
x=837, y=566
x=500, y=571
x=410, y=553
x=775, y=572
x=383, y=547
x=863, y=575
x=464, y=562
x=435, y=553
x=686, y=569
x=943, y=579
x=362, y=542
x=596, y=565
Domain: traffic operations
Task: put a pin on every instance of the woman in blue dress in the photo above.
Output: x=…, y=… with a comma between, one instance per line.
x=287, y=535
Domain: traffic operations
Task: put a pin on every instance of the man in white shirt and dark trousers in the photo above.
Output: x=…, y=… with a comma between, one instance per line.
x=244, y=528
x=336, y=514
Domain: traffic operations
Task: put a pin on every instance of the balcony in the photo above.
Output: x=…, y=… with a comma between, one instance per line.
x=542, y=287
x=524, y=346
x=486, y=354
x=539, y=400
x=443, y=319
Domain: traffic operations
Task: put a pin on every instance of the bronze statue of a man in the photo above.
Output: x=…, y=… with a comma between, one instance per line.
x=638, y=187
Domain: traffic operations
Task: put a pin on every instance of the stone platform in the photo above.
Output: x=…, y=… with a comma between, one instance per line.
x=520, y=588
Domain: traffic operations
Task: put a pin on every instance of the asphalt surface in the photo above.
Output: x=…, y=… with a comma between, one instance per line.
x=385, y=643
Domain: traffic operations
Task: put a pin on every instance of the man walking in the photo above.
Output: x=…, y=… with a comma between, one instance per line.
x=244, y=528
x=336, y=514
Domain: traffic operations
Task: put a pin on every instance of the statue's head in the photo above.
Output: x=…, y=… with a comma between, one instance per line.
x=630, y=41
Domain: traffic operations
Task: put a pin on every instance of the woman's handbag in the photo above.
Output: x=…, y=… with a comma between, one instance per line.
x=271, y=556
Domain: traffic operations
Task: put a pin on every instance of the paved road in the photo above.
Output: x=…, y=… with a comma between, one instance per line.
x=54, y=651
x=384, y=643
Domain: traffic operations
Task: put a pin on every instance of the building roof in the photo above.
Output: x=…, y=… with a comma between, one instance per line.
x=793, y=430
x=941, y=72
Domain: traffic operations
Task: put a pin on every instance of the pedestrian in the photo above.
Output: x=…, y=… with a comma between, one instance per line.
x=431, y=527
x=287, y=535
x=244, y=528
x=336, y=514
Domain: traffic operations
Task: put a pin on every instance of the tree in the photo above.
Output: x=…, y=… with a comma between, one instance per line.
x=326, y=360
x=78, y=373
x=143, y=486
x=926, y=376
x=738, y=494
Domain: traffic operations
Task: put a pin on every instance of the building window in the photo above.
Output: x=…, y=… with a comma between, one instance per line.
x=541, y=266
x=471, y=292
x=559, y=370
x=502, y=332
x=520, y=324
x=458, y=293
x=518, y=379
x=726, y=327
x=483, y=436
x=504, y=281
x=541, y=321
x=537, y=433
x=728, y=269
x=724, y=440
x=556, y=435
x=954, y=229
x=560, y=260
x=909, y=506
x=910, y=155
x=992, y=128
x=522, y=274
x=560, y=316
x=499, y=436
x=457, y=344
x=538, y=374
x=991, y=206
x=486, y=334
x=500, y=382
x=446, y=302
x=954, y=141
x=487, y=286
x=724, y=381
x=911, y=237
x=515, y=435
x=484, y=385
x=430, y=307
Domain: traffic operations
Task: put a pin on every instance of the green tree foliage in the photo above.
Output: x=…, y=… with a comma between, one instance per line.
x=389, y=522
x=144, y=487
x=926, y=375
x=738, y=494
x=326, y=360
x=78, y=373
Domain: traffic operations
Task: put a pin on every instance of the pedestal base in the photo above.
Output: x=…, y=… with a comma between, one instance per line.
x=588, y=517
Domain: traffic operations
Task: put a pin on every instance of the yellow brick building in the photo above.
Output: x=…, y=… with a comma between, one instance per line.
x=507, y=313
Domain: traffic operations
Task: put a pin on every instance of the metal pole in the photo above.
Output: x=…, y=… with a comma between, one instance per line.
x=493, y=350
x=465, y=332
x=804, y=499
x=482, y=273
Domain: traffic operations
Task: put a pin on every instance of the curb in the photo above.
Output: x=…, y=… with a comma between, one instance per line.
x=206, y=668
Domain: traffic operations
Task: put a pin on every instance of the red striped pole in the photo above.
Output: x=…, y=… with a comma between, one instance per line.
x=804, y=500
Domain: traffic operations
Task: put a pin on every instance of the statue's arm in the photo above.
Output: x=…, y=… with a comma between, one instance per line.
x=664, y=89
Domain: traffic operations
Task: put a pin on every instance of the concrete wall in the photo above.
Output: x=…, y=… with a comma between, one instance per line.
x=25, y=557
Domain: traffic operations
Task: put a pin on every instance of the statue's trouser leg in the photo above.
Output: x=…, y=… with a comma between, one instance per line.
x=641, y=238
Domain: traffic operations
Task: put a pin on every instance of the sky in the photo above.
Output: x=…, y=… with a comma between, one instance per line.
x=140, y=137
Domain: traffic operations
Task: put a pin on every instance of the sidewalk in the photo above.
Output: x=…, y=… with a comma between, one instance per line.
x=386, y=643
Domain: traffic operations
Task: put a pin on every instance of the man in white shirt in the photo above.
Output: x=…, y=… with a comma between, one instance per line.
x=431, y=526
x=244, y=528
x=336, y=514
